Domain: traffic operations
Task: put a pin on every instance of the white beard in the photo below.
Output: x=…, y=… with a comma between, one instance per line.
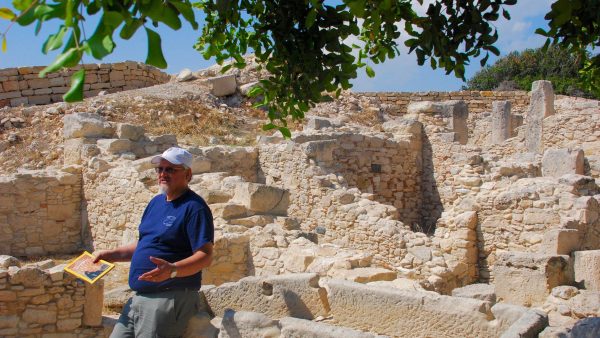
x=162, y=189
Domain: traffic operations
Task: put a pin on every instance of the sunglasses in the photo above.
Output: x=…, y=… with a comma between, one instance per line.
x=167, y=170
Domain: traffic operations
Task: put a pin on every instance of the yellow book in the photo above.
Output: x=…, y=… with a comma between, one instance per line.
x=83, y=268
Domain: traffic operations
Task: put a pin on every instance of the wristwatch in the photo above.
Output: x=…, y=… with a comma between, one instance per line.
x=174, y=272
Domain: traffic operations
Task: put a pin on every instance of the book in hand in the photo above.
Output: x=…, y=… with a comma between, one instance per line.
x=84, y=268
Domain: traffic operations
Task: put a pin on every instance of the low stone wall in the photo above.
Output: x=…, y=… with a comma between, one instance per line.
x=396, y=103
x=23, y=86
x=37, y=302
x=419, y=314
x=40, y=212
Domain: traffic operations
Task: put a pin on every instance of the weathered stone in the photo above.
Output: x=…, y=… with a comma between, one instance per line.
x=483, y=292
x=115, y=146
x=501, y=121
x=559, y=162
x=247, y=324
x=560, y=242
x=402, y=313
x=28, y=276
x=223, y=85
x=541, y=105
x=297, y=295
x=565, y=292
x=295, y=328
x=457, y=113
x=317, y=123
x=39, y=316
x=586, y=267
x=586, y=328
x=129, y=131
x=94, y=300
x=528, y=326
x=200, y=165
x=229, y=210
x=424, y=107
x=366, y=275
x=528, y=278
x=262, y=198
x=7, y=261
x=185, y=75
x=86, y=125
x=245, y=88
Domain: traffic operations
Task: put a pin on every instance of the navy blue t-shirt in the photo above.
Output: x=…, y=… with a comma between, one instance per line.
x=171, y=230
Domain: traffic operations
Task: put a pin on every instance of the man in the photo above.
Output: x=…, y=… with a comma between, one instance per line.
x=175, y=243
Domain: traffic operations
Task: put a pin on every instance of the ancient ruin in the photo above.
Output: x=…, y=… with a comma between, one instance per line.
x=434, y=214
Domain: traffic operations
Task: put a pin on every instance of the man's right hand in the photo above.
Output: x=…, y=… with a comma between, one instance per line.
x=106, y=255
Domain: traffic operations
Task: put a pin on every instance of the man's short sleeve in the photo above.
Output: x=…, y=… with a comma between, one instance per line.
x=200, y=228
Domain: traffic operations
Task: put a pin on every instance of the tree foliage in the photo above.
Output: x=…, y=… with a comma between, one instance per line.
x=518, y=70
x=312, y=48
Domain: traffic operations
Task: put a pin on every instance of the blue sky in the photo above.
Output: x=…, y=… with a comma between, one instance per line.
x=399, y=74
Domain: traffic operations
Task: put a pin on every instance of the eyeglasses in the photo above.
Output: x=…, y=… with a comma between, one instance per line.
x=167, y=170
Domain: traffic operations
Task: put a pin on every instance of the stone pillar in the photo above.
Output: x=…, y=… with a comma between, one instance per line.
x=501, y=121
x=94, y=302
x=587, y=269
x=541, y=105
x=458, y=112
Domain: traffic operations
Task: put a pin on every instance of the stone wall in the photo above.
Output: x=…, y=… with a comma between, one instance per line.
x=40, y=300
x=23, y=85
x=396, y=103
x=40, y=212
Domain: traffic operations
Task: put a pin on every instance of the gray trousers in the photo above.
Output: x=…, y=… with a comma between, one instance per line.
x=157, y=315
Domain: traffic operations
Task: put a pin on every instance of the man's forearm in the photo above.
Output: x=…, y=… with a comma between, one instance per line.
x=121, y=254
x=199, y=260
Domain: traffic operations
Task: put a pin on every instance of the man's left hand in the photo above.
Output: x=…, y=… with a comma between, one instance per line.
x=161, y=273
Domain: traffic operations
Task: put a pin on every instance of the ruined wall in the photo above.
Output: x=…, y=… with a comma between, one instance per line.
x=40, y=213
x=341, y=215
x=23, y=85
x=478, y=101
x=39, y=301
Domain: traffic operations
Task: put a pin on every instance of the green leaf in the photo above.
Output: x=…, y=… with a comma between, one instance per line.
x=75, y=93
x=155, y=55
x=186, y=11
x=6, y=13
x=370, y=71
x=269, y=126
x=68, y=59
x=285, y=132
x=311, y=18
x=130, y=28
x=54, y=41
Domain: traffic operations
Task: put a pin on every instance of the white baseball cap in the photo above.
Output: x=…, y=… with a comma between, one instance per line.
x=174, y=155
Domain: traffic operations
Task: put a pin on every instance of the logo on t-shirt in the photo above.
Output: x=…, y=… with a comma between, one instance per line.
x=169, y=220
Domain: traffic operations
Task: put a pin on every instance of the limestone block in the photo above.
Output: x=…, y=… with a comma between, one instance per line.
x=586, y=267
x=527, y=278
x=223, y=85
x=300, y=328
x=560, y=242
x=212, y=196
x=320, y=150
x=365, y=275
x=559, y=162
x=73, y=150
x=200, y=165
x=501, y=121
x=185, y=75
x=402, y=313
x=479, y=291
x=86, y=125
x=317, y=123
x=129, y=131
x=28, y=276
x=296, y=295
x=60, y=212
x=457, y=113
x=115, y=145
x=262, y=198
x=39, y=316
x=253, y=221
x=94, y=303
x=228, y=210
x=424, y=107
x=248, y=324
x=7, y=261
x=541, y=105
x=528, y=326
x=201, y=326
